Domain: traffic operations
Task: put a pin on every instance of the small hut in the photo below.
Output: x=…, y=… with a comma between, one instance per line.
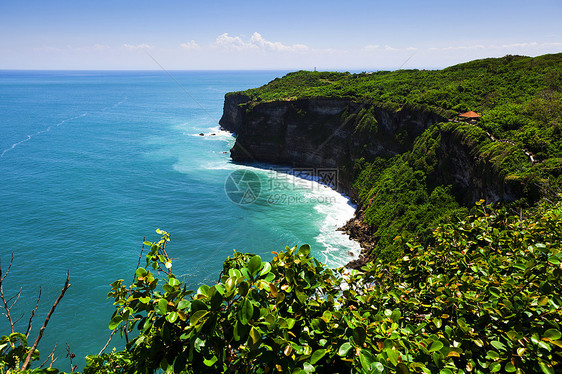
x=470, y=116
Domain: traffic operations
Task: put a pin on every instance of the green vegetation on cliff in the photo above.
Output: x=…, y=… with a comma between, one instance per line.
x=520, y=97
x=515, y=149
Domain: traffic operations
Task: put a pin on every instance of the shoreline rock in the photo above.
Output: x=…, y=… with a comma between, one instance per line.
x=360, y=231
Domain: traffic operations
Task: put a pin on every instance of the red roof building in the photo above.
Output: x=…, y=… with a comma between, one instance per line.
x=470, y=114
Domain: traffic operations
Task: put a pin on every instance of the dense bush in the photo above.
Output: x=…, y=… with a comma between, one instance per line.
x=483, y=297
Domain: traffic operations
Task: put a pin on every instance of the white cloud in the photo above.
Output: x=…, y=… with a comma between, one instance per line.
x=256, y=42
x=389, y=48
x=234, y=42
x=100, y=47
x=138, y=46
x=190, y=45
x=259, y=41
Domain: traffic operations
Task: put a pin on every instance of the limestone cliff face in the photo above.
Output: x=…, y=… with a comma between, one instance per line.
x=330, y=133
x=232, y=115
x=319, y=132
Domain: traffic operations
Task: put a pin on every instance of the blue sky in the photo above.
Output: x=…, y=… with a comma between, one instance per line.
x=351, y=35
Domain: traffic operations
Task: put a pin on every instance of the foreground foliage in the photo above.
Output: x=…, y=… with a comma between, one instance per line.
x=484, y=297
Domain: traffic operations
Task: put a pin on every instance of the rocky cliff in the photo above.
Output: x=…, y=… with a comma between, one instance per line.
x=330, y=133
x=320, y=132
x=473, y=175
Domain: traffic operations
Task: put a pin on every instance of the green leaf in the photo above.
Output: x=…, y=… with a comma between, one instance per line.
x=184, y=304
x=554, y=259
x=392, y=356
x=552, y=334
x=301, y=296
x=265, y=269
x=172, y=317
x=245, y=311
x=402, y=369
x=493, y=355
x=243, y=288
x=240, y=331
x=197, y=316
x=162, y=306
x=254, y=264
x=173, y=282
x=498, y=345
x=308, y=367
x=115, y=321
x=210, y=361
x=144, y=300
x=216, y=300
x=396, y=314
x=344, y=348
x=510, y=368
x=317, y=355
x=304, y=250
x=255, y=335
x=220, y=289
x=435, y=346
x=203, y=290
x=359, y=335
x=546, y=368
x=168, y=288
x=495, y=367
x=367, y=360
x=141, y=272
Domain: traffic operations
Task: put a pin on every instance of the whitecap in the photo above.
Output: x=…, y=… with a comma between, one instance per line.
x=336, y=208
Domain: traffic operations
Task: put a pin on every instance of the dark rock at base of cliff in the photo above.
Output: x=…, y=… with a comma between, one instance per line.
x=359, y=230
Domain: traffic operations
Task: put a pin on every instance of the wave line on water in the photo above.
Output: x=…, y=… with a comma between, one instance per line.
x=30, y=136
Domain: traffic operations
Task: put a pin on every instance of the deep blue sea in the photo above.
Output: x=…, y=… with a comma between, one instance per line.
x=93, y=162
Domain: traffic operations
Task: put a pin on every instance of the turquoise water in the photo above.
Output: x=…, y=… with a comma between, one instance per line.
x=92, y=162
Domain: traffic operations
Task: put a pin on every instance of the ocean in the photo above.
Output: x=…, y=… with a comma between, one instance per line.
x=92, y=162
